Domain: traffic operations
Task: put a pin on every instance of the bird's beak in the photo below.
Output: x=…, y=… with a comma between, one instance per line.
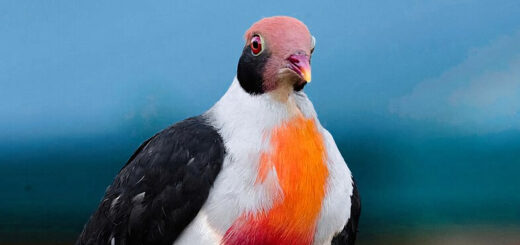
x=300, y=64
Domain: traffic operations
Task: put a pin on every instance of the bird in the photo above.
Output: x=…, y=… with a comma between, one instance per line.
x=256, y=168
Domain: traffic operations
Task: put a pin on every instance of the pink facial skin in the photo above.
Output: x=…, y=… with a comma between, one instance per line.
x=283, y=37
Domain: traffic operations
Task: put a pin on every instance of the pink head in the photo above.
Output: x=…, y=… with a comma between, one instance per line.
x=277, y=51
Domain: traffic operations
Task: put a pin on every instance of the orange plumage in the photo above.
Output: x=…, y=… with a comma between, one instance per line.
x=297, y=153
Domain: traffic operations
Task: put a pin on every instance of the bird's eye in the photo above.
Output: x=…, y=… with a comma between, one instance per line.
x=256, y=45
x=313, y=44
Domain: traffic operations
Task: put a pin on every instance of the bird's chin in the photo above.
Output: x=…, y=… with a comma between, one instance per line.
x=287, y=81
x=290, y=77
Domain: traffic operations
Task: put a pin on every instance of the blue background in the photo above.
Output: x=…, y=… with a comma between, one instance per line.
x=423, y=98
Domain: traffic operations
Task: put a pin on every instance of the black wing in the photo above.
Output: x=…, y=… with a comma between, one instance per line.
x=348, y=235
x=161, y=188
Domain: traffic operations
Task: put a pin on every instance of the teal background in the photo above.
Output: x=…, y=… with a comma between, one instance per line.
x=422, y=97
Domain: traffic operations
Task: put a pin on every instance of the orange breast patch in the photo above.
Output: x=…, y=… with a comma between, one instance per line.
x=297, y=152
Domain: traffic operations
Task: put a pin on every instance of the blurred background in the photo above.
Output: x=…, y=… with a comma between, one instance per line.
x=423, y=98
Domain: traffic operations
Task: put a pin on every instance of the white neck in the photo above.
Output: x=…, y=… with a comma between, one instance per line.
x=238, y=109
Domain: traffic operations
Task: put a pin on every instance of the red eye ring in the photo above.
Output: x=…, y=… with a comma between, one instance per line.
x=256, y=45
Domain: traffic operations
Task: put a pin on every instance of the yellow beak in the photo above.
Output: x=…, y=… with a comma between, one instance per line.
x=300, y=64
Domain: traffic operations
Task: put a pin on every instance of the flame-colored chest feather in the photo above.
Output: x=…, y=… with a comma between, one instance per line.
x=297, y=154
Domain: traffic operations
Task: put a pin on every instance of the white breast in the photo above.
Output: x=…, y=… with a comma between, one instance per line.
x=243, y=122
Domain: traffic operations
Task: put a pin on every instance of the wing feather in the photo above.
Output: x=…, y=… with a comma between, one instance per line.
x=161, y=188
x=348, y=235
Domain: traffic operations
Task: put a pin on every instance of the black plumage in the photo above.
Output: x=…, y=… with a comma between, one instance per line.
x=348, y=235
x=161, y=188
x=250, y=70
